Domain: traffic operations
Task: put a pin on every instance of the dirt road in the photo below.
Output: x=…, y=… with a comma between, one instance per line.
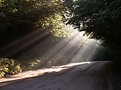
x=76, y=76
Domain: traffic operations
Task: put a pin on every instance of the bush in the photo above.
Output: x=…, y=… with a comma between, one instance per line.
x=9, y=66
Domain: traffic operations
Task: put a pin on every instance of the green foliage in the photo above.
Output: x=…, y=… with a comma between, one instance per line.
x=30, y=64
x=34, y=63
x=100, y=18
x=9, y=66
x=57, y=25
x=33, y=12
x=18, y=17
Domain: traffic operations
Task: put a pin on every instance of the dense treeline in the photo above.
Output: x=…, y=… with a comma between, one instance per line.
x=99, y=18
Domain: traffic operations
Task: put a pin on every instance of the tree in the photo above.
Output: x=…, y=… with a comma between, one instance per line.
x=20, y=16
x=99, y=18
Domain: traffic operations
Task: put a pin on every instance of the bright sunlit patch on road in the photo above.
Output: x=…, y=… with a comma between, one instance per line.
x=72, y=64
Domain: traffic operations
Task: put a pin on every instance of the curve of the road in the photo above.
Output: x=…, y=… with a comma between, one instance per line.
x=76, y=76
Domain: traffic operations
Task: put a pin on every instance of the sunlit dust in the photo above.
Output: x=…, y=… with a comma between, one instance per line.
x=75, y=48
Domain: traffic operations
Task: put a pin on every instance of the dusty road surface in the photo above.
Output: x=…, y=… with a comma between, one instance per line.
x=76, y=76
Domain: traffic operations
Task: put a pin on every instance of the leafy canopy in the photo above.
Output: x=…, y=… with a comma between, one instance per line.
x=100, y=18
x=20, y=16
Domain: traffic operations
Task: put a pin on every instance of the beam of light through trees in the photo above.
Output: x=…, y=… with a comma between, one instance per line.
x=50, y=52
